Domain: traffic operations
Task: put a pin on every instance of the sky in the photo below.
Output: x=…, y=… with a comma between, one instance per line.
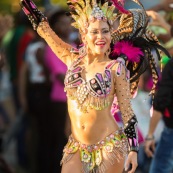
x=147, y=3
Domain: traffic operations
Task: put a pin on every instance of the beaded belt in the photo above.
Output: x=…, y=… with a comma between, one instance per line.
x=114, y=145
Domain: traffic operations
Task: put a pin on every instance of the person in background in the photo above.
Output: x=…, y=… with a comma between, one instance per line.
x=34, y=94
x=161, y=21
x=161, y=159
x=141, y=105
x=162, y=156
x=60, y=23
x=12, y=50
x=6, y=23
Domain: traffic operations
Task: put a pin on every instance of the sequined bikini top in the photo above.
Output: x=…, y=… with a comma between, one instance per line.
x=90, y=94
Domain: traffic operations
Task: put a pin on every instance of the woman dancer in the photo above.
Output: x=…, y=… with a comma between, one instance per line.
x=93, y=81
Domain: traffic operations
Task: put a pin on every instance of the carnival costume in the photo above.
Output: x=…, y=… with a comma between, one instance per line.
x=131, y=48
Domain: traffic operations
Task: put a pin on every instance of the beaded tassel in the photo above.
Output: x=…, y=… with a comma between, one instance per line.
x=114, y=146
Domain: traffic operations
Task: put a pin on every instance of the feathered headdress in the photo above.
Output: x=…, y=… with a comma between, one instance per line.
x=84, y=11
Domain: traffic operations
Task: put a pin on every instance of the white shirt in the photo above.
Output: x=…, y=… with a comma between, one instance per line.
x=36, y=74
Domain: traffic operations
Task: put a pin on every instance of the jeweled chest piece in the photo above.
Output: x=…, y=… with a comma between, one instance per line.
x=97, y=13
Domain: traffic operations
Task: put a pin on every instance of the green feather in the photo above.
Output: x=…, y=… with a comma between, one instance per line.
x=104, y=8
x=110, y=11
x=88, y=8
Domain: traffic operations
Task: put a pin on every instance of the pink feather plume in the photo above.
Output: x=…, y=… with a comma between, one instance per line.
x=126, y=47
x=119, y=4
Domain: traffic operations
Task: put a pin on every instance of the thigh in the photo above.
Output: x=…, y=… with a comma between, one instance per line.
x=114, y=165
x=117, y=167
x=73, y=165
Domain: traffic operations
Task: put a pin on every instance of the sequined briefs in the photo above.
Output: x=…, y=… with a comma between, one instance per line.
x=115, y=146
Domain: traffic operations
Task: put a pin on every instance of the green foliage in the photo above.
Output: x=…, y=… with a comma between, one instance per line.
x=62, y=3
x=12, y=6
x=5, y=6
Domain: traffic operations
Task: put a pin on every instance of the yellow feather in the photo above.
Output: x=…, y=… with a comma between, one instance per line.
x=88, y=8
x=75, y=17
x=82, y=3
x=114, y=17
x=110, y=11
x=74, y=24
x=78, y=9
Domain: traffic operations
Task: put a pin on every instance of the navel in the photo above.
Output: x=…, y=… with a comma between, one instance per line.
x=83, y=127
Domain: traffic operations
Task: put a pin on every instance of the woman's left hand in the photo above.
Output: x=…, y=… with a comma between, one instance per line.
x=131, y=160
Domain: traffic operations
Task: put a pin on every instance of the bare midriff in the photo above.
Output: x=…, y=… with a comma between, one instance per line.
x=96, y=124
x=93, y=126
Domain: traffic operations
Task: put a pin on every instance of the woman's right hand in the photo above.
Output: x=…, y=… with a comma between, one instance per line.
x=34, y=15
x=131, y=162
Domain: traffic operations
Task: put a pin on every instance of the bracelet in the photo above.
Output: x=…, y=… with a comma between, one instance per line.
x=149, y=138
x=134, y=149
x=130, y=131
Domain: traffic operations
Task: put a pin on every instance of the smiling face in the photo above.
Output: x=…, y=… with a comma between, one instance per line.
x=98, y=37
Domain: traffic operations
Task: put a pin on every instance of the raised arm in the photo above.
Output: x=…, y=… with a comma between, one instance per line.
x=40, y=23
x=59, y=47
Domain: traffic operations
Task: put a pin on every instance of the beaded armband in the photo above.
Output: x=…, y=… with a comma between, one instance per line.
x=130, y=130
x=34, y=15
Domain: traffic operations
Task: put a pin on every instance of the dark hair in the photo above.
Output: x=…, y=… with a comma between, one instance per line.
x=103, y=1
x=53, y=18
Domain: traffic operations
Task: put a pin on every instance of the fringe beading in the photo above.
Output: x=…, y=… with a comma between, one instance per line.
x=114, y=145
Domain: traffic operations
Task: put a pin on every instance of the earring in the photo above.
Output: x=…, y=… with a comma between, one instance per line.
x=82, y=51
x=108, y=52
x=88, y=50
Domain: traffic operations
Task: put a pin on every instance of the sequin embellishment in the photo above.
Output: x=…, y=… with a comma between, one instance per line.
x=88, y=94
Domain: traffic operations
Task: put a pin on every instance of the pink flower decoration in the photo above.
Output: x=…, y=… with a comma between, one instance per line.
x=126, y=47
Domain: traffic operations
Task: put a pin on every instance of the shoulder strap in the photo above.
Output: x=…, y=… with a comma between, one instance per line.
x=110, y=65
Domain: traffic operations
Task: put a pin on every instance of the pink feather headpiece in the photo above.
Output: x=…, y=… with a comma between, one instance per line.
x=127, y=48
x=119, y=4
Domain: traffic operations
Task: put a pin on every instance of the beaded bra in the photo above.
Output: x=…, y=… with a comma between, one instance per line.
x=88, y=94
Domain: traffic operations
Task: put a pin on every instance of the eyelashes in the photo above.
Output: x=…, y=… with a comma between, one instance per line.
x=96, y=32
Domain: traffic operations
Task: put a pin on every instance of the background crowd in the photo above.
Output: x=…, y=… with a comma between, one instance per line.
x=34, y=123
